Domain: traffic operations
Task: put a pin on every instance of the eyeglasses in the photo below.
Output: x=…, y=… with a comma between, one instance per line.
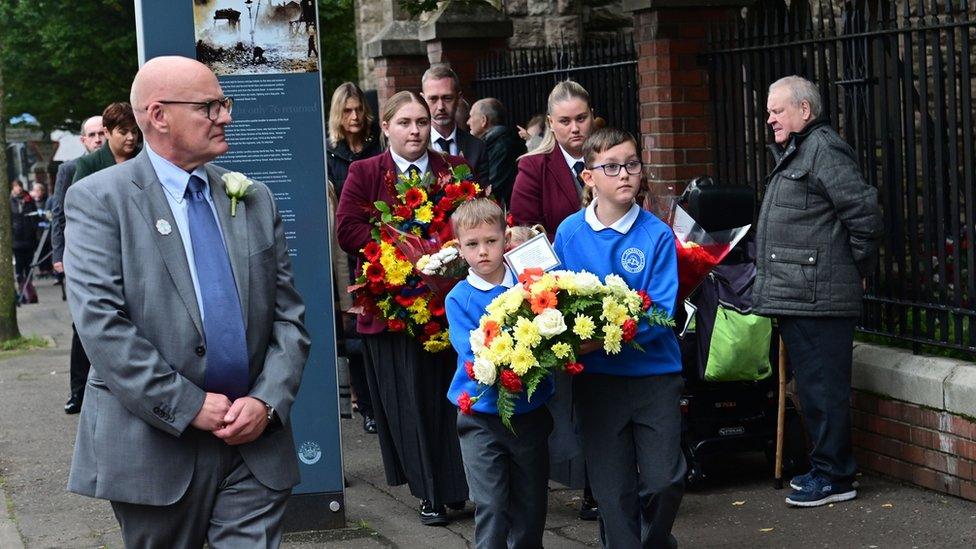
x=213, y=107
x=100, y=133
x=612, y=169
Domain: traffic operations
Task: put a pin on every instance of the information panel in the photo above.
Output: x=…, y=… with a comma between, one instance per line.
x=266, y=57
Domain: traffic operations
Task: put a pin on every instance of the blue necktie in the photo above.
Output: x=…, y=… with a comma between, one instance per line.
x=223, y=321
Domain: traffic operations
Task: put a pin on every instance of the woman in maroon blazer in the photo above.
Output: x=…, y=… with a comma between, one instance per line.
x=417, y=425
x=546, y=189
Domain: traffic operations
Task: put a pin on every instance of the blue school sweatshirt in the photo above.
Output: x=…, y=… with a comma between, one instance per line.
x=640, y=249
x=465, y=305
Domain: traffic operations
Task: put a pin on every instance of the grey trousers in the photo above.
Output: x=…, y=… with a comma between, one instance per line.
x=631, y=429
x=508, y=477
x=821, y=351
x=224, y=506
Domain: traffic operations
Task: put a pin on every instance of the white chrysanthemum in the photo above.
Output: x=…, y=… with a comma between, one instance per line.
x=550, y=323
x=477, y=340
x=616, y=284
x=587, y=283
x=484, y=371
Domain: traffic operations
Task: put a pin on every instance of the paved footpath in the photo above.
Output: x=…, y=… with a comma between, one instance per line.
x=738, y=509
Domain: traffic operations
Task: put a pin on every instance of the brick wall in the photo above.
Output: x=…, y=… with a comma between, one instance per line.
x=930, y=448
x=397, y=73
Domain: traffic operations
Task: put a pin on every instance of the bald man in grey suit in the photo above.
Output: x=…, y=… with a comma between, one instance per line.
x=194, y=329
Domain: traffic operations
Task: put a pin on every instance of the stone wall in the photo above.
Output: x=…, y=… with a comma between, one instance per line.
x=370, y=18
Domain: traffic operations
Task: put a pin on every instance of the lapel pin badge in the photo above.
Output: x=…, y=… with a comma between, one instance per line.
x=163, y=227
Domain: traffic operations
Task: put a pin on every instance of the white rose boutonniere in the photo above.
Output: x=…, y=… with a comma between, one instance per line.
x=235, y=185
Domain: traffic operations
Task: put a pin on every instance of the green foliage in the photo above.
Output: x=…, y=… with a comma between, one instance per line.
x=66, y=60
x=23, y=343
x=337, y=31
x=532, y=380
x=462, y=172
x=506, y=407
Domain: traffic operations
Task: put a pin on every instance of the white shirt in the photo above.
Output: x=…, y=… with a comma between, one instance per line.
x=621, y=225
x=174, y=180
x=402, y=163
x=570, y=161
x=481, y=284
x=453, y=137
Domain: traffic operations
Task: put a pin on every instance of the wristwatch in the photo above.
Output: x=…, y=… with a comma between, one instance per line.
x=271, y=412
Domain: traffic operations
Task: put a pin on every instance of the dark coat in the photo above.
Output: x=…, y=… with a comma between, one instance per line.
x=339, y=158
x=23, y=226
x=819, y=229
x=66, y=175
x=475, y=154
x=544, y=191
x=93, y=162
x=364, y=186
x=504, y=148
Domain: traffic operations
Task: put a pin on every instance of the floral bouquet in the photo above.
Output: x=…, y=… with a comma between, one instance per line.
x=699, y=251
x=538, y=326
x=440, y=265
x=388, y=285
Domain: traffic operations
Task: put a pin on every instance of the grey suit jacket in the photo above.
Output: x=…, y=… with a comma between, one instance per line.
x=132, y=299
x=475, y=155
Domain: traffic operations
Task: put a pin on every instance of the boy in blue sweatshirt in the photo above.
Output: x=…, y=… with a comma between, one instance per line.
x=507, y=473
x=627, y=403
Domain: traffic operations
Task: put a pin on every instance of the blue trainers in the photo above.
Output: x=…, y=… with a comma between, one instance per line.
x=821, y=491
x=800, y=481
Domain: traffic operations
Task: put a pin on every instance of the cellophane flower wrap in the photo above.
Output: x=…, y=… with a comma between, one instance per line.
x=438, y=263
x=388, y=285
x=699, y=251
x=538, y=326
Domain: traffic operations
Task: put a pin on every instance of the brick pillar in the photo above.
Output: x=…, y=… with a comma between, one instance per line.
x=460, y=33
x=400, y=59
x=674, y=93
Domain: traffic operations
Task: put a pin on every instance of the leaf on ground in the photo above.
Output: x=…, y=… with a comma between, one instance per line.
x=738, y=503
x=765, y=529
x=887, y=505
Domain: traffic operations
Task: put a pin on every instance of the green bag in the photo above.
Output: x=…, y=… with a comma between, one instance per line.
x=739, y=348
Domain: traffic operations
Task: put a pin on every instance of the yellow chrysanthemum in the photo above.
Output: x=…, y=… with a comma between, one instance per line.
x=612, y=336
x=584, y=326
x=566, y=282
x=438, y=342
x=419, y=312
x=384, y=306
x=527, y=333
x=547, y=282
x=613, y=311
x=633, y=302
x=501, y=348
x=425, y=213
x=562, y=350
x=523, y=360
x=512, y=299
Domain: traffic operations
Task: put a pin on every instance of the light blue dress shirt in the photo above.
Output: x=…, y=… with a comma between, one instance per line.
x=175, y=180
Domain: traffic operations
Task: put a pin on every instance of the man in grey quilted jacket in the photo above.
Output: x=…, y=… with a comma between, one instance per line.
x=817, y=239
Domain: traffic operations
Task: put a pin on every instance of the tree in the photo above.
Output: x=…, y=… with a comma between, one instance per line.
x=337, y=29
x=8, y=295
x=66, y=60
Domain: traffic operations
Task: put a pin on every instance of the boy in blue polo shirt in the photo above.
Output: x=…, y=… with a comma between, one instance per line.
x=627, y=403
x=507, y=473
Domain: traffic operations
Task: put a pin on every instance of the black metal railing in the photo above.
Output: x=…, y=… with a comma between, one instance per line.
x=897, y=82
x=522, y=79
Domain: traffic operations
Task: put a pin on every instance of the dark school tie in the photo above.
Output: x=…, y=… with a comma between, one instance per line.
x=412, y=171
x=444, y=144
x=578, y=168
x=223, y=320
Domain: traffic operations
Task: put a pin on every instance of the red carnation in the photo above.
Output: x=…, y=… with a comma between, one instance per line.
x=414, y=197
x=465, y=403
x=469, y=368
x=377, y=288
x=404, y=301
x=403, y=211
x=629, y=329
x=509, y=220
x=646, y=299
x=467, y=189
x=574, y=368
x=511, y=381
x=396, y=325
x=436, y=306
x=375, y=272
x=445, y=204
x=372, y=251
x=431, y=328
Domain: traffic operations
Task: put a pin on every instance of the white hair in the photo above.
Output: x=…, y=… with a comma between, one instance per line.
x=801, y=90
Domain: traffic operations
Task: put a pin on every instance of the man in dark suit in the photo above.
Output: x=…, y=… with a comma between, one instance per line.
x=92, y=137
x=193, y=325
x=442, y=91
x=487, y=121
x=121, y=137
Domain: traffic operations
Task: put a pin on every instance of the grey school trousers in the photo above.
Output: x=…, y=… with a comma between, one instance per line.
x=631, y=428
x=508, y=477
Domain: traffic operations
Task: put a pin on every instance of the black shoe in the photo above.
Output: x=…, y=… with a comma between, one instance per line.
x=588, y=509
x=73, y=406
x=456, y=506
x=432, y=516
x=369, y=425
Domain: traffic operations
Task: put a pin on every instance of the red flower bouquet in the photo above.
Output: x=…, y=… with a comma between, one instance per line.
x=699, y=251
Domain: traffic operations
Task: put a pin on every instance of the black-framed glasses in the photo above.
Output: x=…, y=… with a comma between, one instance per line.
x=213, y=107
x=612, y=169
